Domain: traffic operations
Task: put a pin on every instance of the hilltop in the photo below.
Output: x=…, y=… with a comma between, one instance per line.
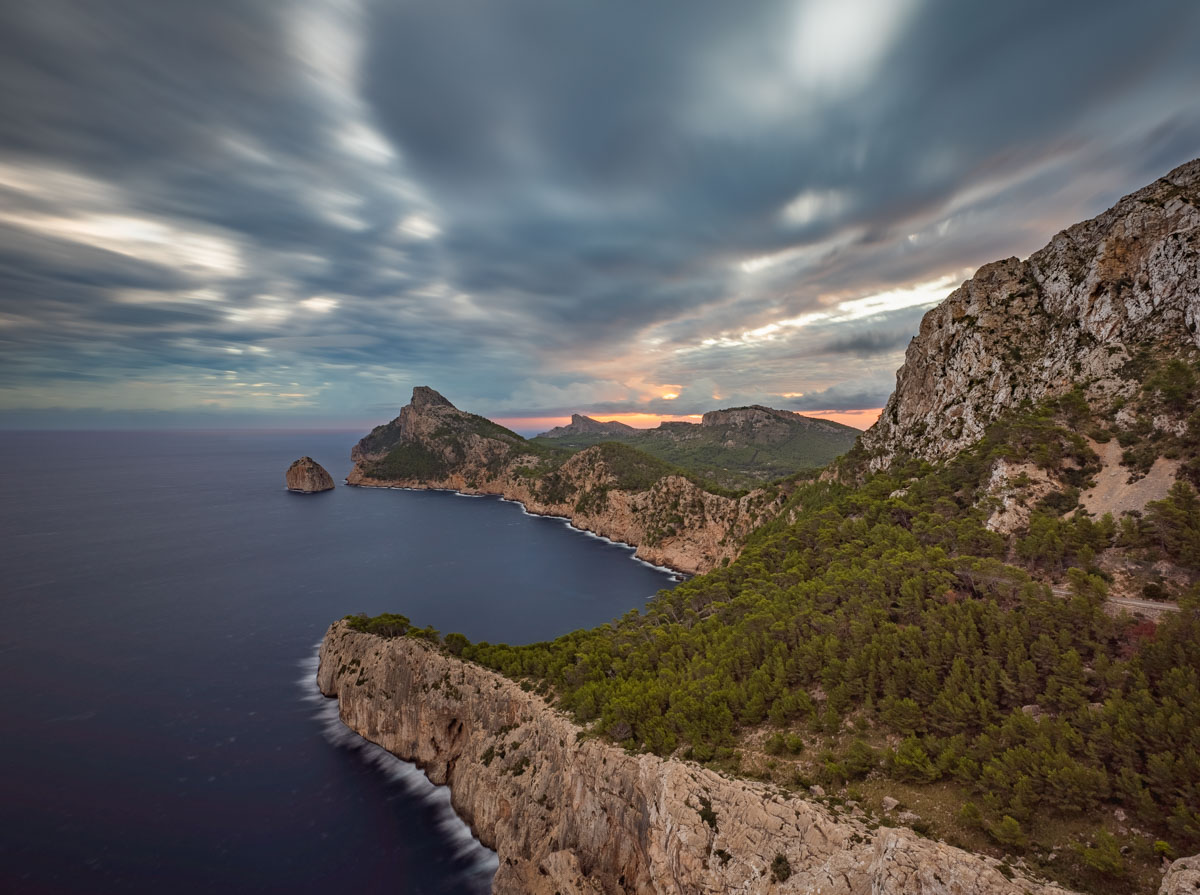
x=739, y=447
x=585, y=426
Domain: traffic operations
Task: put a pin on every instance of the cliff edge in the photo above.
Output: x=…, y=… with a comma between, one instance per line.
x=567, y=813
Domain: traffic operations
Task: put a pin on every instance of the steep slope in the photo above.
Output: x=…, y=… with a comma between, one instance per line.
x=611, y=489
x=1076, y=313
x=567, y=813
x=737, y=448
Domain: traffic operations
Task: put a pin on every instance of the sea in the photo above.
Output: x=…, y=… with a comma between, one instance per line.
x=162, y=597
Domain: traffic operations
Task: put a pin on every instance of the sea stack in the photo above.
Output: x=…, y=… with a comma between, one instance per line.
x=308, y=476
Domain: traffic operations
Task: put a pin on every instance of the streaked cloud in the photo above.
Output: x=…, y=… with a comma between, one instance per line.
x=300, y=210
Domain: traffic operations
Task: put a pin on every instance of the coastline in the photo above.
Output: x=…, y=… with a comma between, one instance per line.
x=565, y=811
x=677, y=573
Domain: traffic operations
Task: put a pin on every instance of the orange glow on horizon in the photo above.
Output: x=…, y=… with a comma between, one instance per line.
x=859, y=419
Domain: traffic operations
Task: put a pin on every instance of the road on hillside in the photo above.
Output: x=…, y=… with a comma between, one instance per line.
x=1153, y=605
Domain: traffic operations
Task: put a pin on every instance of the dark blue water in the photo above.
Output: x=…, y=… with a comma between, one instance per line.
x=161, y=596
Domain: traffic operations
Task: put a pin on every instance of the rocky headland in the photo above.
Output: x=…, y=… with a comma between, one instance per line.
x=609, y=489
x=308, y=476
x=566, y=812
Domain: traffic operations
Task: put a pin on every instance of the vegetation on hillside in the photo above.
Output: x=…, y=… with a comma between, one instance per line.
x=730, y=456
x=881, y=634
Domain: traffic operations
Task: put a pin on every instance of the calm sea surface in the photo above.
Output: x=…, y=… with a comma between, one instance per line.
x=161, y=599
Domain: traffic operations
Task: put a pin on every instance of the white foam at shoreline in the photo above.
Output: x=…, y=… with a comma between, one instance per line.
x=482, y=862
x=675, y=574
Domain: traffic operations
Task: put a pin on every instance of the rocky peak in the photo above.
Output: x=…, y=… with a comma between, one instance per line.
x=1072, y=314
x=424, y=396
x=306, y=475
x=585, y=425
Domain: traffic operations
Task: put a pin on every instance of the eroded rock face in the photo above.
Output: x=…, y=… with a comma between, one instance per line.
x=672, y=523
x=572, y=814
x=1070, y=314
x=308, y=476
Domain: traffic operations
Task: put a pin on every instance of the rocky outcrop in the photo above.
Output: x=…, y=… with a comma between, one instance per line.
x=1072, y=314
x=585, y=425
x=1183, y=877
x=308, y=476
x=669, y=519
x=569, y=813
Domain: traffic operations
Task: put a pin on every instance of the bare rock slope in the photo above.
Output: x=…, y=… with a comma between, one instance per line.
x=1073, y=313
x=570, y=814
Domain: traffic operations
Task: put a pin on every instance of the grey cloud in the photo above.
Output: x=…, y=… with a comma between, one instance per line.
x=595, y=172
x=844, y=397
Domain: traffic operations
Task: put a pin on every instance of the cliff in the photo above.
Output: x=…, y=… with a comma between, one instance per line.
x=1075, y=313
x=566, y=813
x=610, y=489
x=308, y=476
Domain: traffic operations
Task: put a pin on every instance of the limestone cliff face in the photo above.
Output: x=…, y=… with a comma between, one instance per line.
x=671, y=522
x=571, y=814
x=308, y=476
x=1070, y=314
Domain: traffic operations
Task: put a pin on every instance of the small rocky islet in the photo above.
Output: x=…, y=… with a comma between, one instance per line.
x=307, y=476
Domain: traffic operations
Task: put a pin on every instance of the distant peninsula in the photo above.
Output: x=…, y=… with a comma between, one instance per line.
x=624, y=489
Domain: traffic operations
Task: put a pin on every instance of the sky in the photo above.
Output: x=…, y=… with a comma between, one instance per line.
x=290, y=213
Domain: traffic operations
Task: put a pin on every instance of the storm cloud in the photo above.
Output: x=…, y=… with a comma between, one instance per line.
x=297, y=211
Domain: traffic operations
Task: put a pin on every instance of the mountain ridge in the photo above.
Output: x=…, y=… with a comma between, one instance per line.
x=735, y=447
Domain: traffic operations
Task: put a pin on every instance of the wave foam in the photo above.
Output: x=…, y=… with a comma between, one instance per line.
x=482, y=862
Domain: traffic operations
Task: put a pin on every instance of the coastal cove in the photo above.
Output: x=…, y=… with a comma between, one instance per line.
x=664, y=567
x=165, y=598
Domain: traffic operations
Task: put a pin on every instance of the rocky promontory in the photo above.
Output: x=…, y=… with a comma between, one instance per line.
x=568, y=813
x=610, y=489
x=308, y=476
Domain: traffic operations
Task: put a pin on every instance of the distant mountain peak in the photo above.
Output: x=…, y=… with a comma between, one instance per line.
x=585, y=425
